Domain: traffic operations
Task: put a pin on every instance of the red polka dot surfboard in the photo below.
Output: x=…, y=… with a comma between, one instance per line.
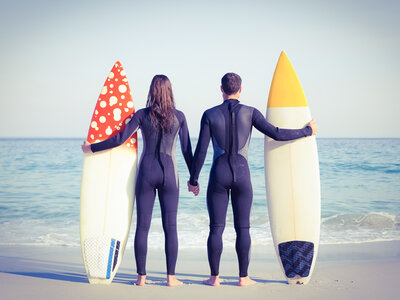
x=108, y=179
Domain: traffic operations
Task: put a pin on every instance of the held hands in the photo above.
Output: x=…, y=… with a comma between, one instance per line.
x=193, y=188
x=86, y=147
x=313, y=126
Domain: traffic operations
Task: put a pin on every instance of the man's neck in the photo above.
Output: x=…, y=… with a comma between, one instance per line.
x=230, y=97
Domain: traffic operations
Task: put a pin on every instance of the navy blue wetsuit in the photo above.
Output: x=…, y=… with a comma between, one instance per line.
x=229, y=126
x=157, y=171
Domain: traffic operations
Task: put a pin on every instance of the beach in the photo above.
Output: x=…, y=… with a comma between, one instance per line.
x=342, y=271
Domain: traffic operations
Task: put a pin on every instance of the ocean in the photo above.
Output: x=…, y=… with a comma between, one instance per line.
x=40, y=187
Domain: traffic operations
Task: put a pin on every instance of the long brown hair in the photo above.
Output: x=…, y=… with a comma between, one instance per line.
x=161, y=103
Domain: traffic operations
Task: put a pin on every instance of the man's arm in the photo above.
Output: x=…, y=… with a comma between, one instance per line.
x=279, y=134
x=201, y=150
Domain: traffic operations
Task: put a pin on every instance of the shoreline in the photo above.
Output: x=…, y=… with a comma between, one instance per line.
x=347, y=271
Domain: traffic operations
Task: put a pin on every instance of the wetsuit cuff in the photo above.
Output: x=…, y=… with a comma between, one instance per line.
x=308, y=130
x=193, y=182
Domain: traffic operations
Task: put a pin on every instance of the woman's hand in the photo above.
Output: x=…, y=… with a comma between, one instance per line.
x=193, y=188
x=313, y=126
x=86, y=147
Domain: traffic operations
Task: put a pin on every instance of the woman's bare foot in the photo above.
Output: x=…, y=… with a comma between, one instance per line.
x=213, y=281
x=245, y=281
x=172, y=281
x=141, y=280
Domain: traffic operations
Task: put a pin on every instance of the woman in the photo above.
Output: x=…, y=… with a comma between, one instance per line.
x=160, y=123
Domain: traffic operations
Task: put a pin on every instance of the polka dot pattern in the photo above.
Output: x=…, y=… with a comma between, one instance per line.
x=114, y=109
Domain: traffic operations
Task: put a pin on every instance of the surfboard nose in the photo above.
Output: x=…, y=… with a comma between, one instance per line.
x=286, y=90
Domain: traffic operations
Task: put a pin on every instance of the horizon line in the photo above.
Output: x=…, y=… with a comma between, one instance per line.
x=192, y=137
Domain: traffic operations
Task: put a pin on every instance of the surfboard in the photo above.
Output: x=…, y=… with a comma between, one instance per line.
x=292, y=178
x=108, y=178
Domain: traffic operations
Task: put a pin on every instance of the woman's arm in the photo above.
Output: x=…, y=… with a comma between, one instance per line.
x=184, y=138
x=118, y=139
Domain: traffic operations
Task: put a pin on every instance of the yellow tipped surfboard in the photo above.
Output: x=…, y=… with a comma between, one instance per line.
x=292, y=178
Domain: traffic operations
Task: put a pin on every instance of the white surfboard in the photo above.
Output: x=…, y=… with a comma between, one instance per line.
x=108, y=182
x=292, y=178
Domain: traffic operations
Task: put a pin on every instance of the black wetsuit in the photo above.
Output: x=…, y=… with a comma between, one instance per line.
x=229, y=126
x=157, y=171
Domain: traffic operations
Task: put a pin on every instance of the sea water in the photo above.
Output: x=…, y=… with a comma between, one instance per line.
x=40, y=186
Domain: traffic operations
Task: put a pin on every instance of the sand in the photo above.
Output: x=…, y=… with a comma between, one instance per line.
x=348, y=271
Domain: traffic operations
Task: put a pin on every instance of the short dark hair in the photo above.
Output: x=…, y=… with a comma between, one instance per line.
x=231, y=83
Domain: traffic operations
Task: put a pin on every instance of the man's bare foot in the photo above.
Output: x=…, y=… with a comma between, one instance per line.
x=213, y=281
x=141, y=280
x=172, y=281
x=245, y=281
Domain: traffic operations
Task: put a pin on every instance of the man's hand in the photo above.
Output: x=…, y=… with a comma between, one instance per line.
x=193, y=188
x=313, y=126
x=86, y=147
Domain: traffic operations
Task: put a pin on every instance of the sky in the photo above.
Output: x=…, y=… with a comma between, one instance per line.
x=55, y=57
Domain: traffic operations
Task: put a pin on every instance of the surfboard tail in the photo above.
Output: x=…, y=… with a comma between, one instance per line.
x=296, y=257
x=101, y=255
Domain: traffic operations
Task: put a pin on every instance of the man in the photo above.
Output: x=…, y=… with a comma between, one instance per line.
x=229, y=125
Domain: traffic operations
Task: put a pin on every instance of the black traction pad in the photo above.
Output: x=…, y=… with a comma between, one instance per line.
x=296, y=257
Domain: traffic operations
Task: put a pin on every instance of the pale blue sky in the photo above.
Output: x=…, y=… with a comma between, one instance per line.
x=55, y=56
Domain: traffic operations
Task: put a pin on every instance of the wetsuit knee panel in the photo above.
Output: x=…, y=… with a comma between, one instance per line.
x=242, y=228
x=217, y=229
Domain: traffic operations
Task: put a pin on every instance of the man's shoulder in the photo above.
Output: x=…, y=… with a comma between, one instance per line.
x=214, y=108
x=246, y=109
x=217, y=109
